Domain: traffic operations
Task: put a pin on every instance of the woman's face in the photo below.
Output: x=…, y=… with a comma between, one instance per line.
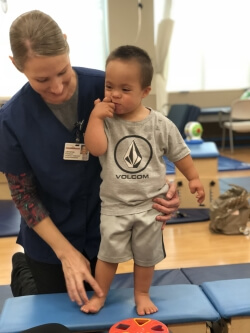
x=51, y=77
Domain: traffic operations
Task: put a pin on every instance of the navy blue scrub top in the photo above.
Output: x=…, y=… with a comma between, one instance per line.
x=32, y=139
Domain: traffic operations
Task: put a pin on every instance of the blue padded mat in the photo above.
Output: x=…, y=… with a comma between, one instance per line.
x=198, y=275
x=224, y=164
x=126, y=280
x=5, y=292
x=177, y=304
x=228, y=164
x=240, y=181
x=9, y=219
x=230, y=298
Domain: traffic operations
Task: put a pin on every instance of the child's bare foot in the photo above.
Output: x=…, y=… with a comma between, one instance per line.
x=144, y=305
x=94, y=305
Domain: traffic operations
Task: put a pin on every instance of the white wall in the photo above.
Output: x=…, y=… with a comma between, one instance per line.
x=81, y=20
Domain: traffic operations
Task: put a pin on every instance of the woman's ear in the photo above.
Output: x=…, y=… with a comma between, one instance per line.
x=65, y=36
x=13, y=62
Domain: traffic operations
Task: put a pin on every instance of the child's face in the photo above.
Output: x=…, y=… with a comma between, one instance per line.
x=123, y=86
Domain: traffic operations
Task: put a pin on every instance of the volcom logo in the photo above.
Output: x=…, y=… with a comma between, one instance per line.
x=133, y=153
x=133, y=157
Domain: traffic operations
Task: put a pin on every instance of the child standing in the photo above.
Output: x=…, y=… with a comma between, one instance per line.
x=131, y=140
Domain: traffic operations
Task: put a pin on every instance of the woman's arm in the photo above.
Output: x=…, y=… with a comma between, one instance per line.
x=23, y=192
x=75, y=266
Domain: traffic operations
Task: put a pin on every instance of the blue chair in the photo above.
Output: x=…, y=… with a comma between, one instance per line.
x=181, y=114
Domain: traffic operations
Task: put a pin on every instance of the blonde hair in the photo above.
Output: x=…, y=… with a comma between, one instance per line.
x=35, y=34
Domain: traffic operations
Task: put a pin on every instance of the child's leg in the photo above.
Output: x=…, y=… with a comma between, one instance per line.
x=104, y=275
x=142, y=281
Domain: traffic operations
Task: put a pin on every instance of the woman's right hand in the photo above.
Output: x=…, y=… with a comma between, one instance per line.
x=76, y=270
x=75, y=266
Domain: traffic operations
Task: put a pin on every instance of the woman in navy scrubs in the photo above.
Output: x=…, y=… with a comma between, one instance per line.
x=54, y=186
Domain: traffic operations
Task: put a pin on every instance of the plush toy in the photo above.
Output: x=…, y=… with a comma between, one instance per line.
x=193, y=131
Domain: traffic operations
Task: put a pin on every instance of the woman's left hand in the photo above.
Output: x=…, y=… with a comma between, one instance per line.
x=167, y=206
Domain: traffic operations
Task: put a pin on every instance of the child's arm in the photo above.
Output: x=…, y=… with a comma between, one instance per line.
x=95, y=138
x=187, y=168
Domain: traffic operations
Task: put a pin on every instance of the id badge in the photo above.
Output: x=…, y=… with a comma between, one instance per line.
x=75, y=152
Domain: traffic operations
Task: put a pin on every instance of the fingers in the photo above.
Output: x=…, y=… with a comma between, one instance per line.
x=97, y=101
x=163, y=219
x=95, y=286
x=76, y=291
x=103, y=109
x=165, y=206
x=199, y=190
x=77, y=271
x=172, y=191
x=200, y=196
x=107, y=99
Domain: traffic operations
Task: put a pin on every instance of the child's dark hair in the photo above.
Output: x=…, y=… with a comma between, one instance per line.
x=131, y=52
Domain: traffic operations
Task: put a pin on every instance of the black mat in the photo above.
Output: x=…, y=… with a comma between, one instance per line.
x=161, y=278
x=198, y=275
x=187, y=215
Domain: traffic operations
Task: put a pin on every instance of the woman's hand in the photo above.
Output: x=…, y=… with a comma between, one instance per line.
x=76, y=270
x=167, y=206
x=75, y=266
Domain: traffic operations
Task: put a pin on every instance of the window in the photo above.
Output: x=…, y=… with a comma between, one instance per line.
x=209, y=48
x=83, y=21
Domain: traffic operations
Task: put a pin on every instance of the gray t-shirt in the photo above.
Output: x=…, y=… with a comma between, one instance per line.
x=133, y=169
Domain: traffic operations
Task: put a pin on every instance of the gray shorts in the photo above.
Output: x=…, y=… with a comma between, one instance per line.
x=135, y=236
